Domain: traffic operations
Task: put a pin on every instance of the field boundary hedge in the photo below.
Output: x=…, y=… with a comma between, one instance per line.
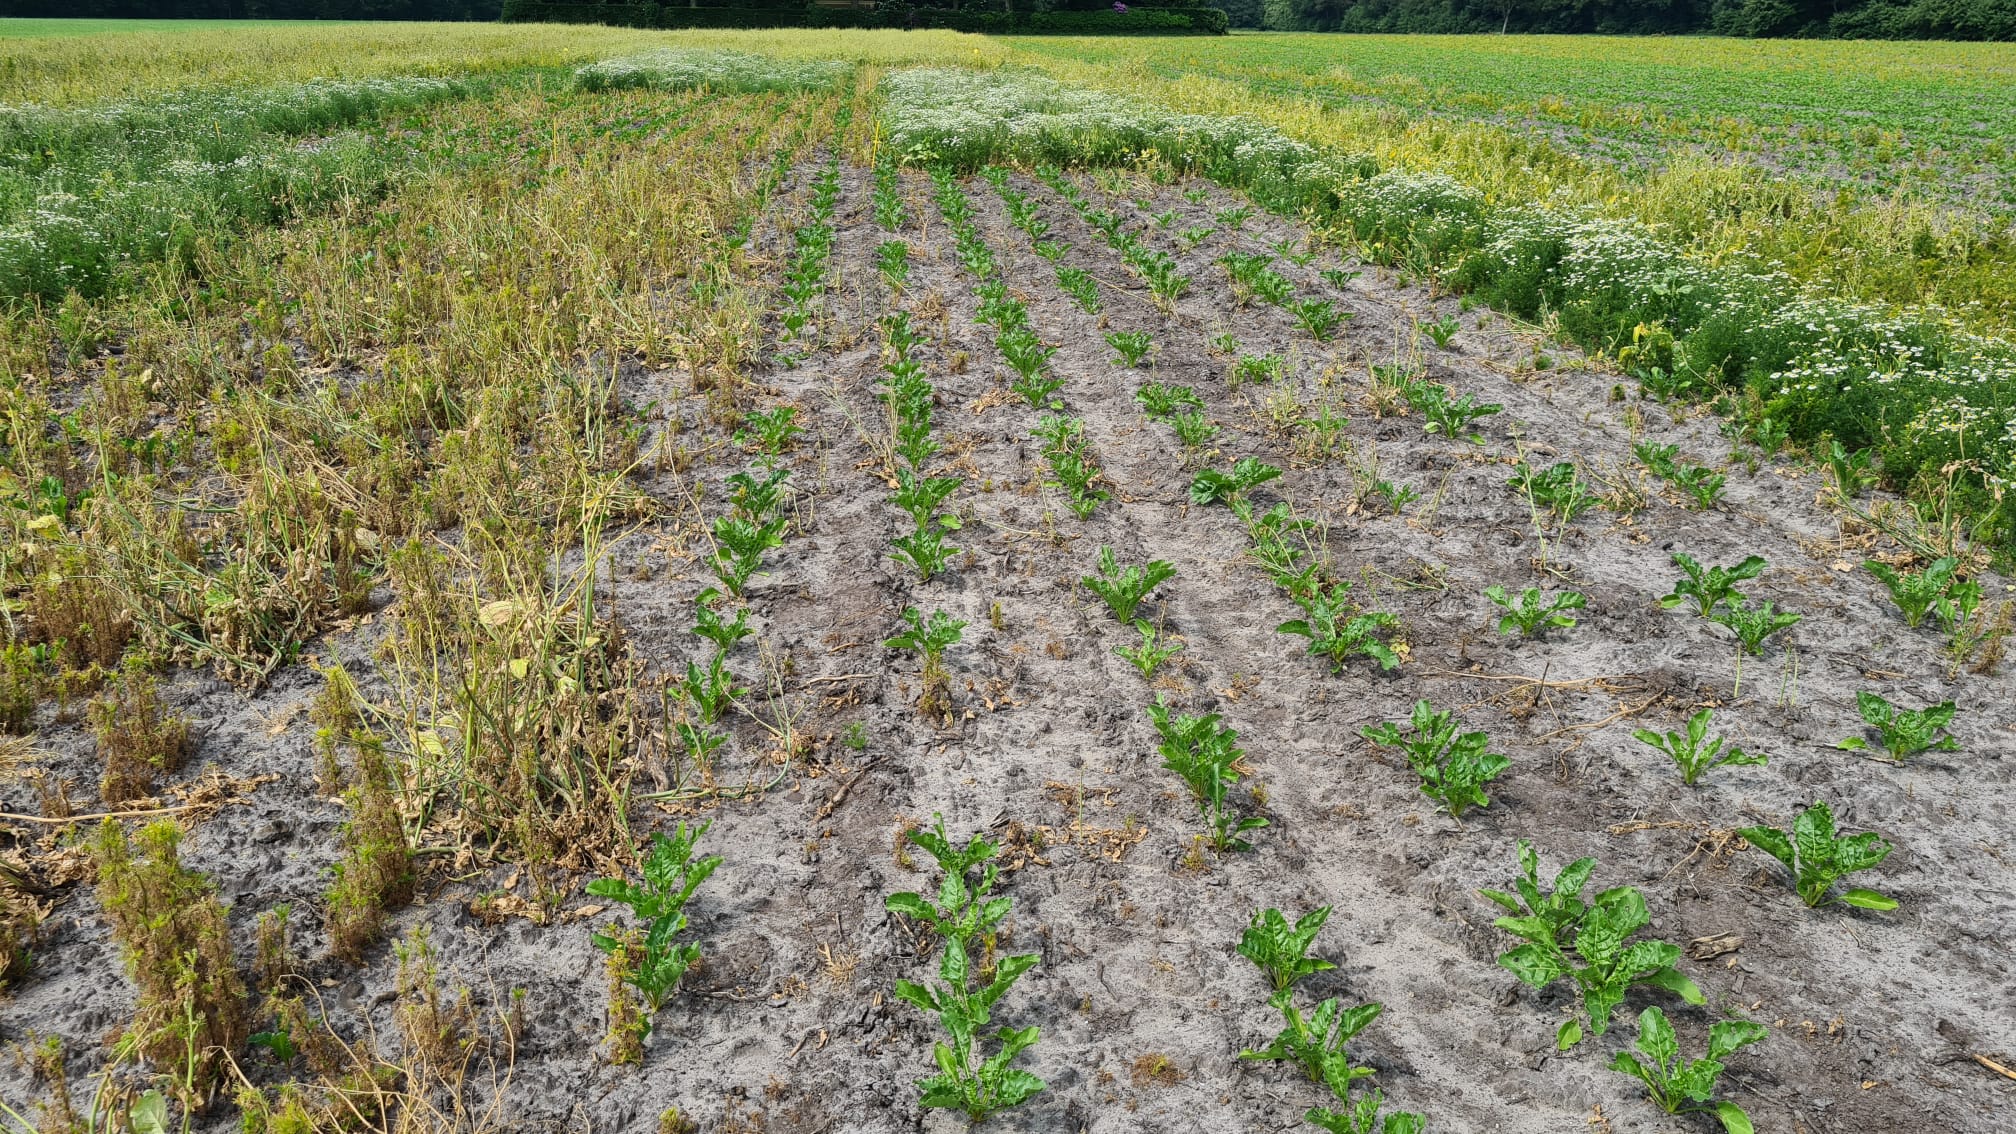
x=1137, y=20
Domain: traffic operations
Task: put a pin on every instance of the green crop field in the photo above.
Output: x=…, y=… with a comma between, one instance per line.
x=578, y=577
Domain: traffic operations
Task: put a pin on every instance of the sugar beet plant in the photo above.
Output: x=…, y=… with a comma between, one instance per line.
x=930, y=637
x=1068, y=452
x=1532, y=614
x=812, y=247
x=964, y=912
x=1903, y=732
x=909, y=394
x=1919, y=593
x=1693, y=752
x=1453, y=765
x=1587, y=942
x=1817, y=858
x=1123, y=589
x=1681, y=1087
x=1702, y=484
x=1072, y=466
x=1710, y=587
x=1023, y=214
x=670, y=876
x=1338, y=629
x=1205, y=753
x=1314, y=1042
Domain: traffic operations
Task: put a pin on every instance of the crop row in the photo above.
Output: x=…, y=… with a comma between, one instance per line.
x=1815, y=368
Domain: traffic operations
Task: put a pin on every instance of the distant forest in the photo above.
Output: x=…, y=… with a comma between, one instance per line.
x=1857, y=19
x=256, y=9
x=1844, y=19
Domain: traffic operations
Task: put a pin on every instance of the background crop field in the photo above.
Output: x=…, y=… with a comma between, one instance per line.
x=439, y=464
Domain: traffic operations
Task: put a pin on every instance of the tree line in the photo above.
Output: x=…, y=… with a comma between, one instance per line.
x=257, y=9
x=1846, y=19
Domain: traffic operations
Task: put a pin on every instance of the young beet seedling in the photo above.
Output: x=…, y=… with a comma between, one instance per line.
x=1599, y=933
x=1338, y=631
x=773, y=430
x=1917, y=593
x=1532, y=616
x=1710, y=587
x=1282, y=950
x=1453, y=767
x=1363, y=1117
x=1694, y=752
x=1817, y=857
x=1443, y=330
x=709, y=624
x=1203, y=753
x=1152, y=652
x=1451, y=417
x=1904, y=732
x=1702, y=484
x=1160, y=401
x=964, y=997
x=1679, y=1088
x=1132, y=345
x=671, y=874
x=1557, y=488
x=1124, y=590
x=929, y=637
x=1212, y=486
x=1316, y=1043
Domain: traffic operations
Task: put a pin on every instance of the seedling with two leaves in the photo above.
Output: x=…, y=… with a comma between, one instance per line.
x=1533, y=614
x=671, y=875
x=1125, y=588
x=1204, y=753
x=1454, y=766
x=964, y=997
x=1904, y=732
x=1678, y=1087
x=1555, y=922
x=1693, y=752
x=1817, y=858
